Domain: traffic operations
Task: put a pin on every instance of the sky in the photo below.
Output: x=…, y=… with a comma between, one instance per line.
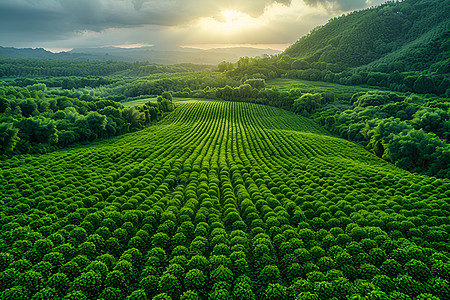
x=65, y=24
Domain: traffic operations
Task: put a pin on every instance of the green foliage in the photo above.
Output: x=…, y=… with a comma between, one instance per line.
x=194, y=280
x=140, y=295
x=276, y=291
x=222, y=200
x=38, y=123
x=189, y=295
x=395, y=35
x=8, y=137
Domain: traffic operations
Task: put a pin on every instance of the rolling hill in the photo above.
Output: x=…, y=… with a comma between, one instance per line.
x=410, y=35
x=221, y=200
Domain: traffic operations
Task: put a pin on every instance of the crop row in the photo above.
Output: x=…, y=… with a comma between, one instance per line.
x=221, y=201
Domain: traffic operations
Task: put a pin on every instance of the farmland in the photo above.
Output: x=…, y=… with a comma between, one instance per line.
x=221, y=200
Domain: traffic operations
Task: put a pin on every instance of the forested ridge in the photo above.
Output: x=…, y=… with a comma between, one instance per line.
x=61, y=68
x=363, y=37
x=221, y=200
x=403, y=45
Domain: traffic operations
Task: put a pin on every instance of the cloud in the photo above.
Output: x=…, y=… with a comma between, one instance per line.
x=91, y=23
x=343, y=5
x=28, y=21
x=100, y=14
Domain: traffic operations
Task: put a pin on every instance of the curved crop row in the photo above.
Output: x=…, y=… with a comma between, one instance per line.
x=221, y=201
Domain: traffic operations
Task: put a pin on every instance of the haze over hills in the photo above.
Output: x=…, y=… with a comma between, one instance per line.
x=154, y=54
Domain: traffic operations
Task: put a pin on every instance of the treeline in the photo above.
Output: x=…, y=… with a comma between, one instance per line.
x=410, y=131
x=61, y=68
x=437, y=83
x=185, y=83
x=391, y=76
x=34, y=121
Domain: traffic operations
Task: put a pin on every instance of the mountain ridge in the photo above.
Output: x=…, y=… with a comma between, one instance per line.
x=154, y=54
x=363, y=37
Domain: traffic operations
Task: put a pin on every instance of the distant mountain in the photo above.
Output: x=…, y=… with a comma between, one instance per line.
x=411, y=35
x=13, y=53
x=175, y=55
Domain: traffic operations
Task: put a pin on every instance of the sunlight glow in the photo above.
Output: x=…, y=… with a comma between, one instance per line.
x=232, y=15
x=228, y=22
x=232, y=25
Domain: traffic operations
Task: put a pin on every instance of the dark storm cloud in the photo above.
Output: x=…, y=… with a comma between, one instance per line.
x=58, y=19
x=74, y=23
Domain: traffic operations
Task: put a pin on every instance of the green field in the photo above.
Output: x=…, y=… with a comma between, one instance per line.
x=176, y=100
x=340, y=91
x=221, y=200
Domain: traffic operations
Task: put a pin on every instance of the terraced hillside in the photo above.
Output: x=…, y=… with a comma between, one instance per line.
x=221, y=200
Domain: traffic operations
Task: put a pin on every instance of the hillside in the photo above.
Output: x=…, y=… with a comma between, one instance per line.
x=221, y=200
x=411, y=35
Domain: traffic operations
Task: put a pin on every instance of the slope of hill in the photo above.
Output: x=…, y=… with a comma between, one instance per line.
x=221, y=200
x=411, y=35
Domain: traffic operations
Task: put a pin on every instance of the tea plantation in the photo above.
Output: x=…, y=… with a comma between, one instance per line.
x=221, y=200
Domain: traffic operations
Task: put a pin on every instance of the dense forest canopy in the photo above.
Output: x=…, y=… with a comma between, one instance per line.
x=414, y=33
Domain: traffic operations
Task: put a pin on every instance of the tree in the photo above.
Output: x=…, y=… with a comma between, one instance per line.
x=15, y=293
x=269, y=274
x=134, y=117
x=46, y=294
x=257, y=83
x=424, y=84
x=8, y=137
x=300, y=64
x=75, y=295
x=418, y=270
x=111, y=111
x=194, y=280
x=4, y=104
x=27, y=107
x=222, y=273
x=149, y=284
x=245, y=91
x=138, y=295
x=308, y=103
x=189, y=295
x=169, y=284
x=167, y=95
x=96, y=122
x=59, y=282
x=89, y=283
x=110, y=293
x=225, y=66
x=276, y=292
x=285, y=62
